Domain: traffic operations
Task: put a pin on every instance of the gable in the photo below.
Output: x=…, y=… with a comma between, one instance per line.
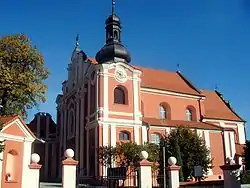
x=14, y=129
x=216, y=108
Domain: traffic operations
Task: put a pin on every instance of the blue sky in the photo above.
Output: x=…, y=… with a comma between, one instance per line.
x=210, y=39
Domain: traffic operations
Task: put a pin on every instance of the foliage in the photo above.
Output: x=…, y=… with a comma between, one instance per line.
x=247, y=155
x=1, y=142
x=245, y=177
x=185, y=144
x=22, y=73
x=127, y=153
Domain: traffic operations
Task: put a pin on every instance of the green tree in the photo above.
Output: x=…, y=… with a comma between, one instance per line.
x=189, y=148
x=247, y=155
x=22, y=73
x=127, y=153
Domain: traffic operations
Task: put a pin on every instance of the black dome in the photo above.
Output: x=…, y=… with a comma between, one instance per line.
x=112, y=50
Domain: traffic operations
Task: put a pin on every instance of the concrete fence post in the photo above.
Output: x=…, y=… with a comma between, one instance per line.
x=231, y=173
x=69, y=170
x=145, y=171
x=173, y=173
x=34, y=174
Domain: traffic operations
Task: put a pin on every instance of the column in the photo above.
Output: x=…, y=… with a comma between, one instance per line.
x=207, y=142
x=82, y=129
x=144, y=134
x=77, y=128
x=69, y=170
x=61, y=140
x=136, y=97
x=227, y=144
x=47, y=145
x=65, y=127
x=34, y=173
x=87, y=158
x=105, y=93
x=145, y=171
x=173, y=173
x=96, y=151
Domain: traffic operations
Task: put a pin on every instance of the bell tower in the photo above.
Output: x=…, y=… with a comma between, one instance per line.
x=113, y=49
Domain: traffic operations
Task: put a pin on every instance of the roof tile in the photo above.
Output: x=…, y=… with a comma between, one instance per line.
x=216, y=108
x=178, y=123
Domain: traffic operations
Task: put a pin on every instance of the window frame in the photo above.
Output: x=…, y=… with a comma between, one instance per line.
x=155, y=141
x=120, y=98
x=122, y=137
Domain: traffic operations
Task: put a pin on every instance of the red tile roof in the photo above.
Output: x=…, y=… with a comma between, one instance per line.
x=178, y=123
x=164, y=80
x=7, y=119
x=216, y=107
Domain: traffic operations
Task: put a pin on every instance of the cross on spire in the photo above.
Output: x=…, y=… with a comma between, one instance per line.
x=113, y=7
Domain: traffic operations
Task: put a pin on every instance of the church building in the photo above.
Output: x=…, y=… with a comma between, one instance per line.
x=107, y=99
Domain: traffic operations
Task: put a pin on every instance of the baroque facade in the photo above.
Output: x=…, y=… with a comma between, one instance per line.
x=107, y=99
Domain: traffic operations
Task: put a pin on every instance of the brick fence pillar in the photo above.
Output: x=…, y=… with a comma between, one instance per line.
x=173, y=173
x=69, y=170
x=145, y=171
x=34, y=173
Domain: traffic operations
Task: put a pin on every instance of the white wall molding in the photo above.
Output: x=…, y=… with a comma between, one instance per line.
x=232, y=143
x=144, y=134
x=120, y=121
x=171, y=93
x=227, y=144
x=105, y=94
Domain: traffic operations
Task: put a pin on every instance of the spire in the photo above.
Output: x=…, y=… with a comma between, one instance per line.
x=113, y=48
x=113, y=7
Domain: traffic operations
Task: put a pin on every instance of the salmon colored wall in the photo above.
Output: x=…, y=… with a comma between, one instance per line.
x=127, y=129
x=130, y=96
x=14, y=130
x=18, y=147
x=178, y=105
x=217, y=151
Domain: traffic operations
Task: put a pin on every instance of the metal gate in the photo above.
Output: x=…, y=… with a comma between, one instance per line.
x=120, y=177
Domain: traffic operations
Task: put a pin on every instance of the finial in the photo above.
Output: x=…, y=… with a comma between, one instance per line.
x=178, y=67
x=113, y=7
x=216, y=87
x=77, y=40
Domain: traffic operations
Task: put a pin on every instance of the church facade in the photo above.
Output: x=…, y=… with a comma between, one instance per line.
x=107, y=99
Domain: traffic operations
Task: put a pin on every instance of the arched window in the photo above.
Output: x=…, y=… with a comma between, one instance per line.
x=11, y=165
x=189, y=115
x=124, y=136
x=116, y=35
x=163, y=112
x=119, y=95
x=155, y=138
